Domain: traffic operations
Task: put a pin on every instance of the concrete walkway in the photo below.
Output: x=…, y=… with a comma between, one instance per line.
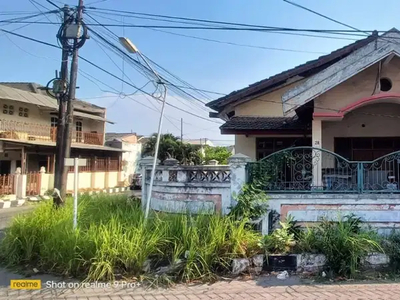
x=260, y=288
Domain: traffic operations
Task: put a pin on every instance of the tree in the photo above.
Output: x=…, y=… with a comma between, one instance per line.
x=171, y=147
x=221, y=154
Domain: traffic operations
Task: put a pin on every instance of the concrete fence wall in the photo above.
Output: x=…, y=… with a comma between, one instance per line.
x=211, y=188
x=193, y=188
x=87, y=181
x=381, y=211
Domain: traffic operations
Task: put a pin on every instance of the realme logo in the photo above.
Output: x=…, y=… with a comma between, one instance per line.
x=26, y=284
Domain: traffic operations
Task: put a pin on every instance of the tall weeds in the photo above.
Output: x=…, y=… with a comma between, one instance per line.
x=344, y=243
x=112, y=238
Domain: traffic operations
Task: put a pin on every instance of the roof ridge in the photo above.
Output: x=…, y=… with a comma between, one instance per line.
x=278, y=78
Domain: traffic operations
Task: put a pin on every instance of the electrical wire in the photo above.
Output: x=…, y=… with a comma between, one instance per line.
x=148, y=71
x=146, y=93
x=252, y=26
x=292, y=31
x=36, y=4
x=238, y=44
x=129, y=96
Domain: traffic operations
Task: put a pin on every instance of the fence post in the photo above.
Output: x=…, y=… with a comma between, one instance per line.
x=360, y=177
x=237, y=164
x=107, y=173
x=145, y=164
x=20, y=184
x=93, y=167
x=17, y=179
x=43, y=183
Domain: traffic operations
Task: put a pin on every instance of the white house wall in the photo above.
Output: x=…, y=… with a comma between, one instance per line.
x=375, y=117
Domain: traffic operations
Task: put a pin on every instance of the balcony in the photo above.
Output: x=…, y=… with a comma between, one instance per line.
x=25, y=131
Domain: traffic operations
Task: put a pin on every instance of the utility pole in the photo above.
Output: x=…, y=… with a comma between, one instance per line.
x=74, y=30
x=71, y=97
x=62, y=107
x=181, y=130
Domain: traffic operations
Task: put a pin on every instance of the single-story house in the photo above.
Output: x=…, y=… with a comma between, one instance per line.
x=328, y=125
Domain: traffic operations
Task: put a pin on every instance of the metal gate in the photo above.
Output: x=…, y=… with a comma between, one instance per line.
x=7, y=184
x=33, y=183
x=308, y=169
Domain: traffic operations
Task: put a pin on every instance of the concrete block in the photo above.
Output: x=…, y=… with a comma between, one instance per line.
x=376, y=260
x=240, y=265
x=310, y=262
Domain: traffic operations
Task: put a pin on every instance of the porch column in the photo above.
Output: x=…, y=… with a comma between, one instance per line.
x=317, y=155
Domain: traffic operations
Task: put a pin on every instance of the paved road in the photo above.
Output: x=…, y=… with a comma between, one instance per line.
x=265, y=287
x=252, y=289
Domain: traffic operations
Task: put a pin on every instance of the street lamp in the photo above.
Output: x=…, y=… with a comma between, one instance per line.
x=131, y=48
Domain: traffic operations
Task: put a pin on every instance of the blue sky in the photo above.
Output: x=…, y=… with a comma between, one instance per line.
x=206, y=65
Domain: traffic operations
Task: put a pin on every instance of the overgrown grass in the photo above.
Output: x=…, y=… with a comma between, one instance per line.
x=112, y=238
x=344, y=243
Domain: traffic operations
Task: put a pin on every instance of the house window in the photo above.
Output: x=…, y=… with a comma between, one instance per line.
x=78, y=128
x=53, y=129
x=267, y=146
x=386, y=84
x=53, y=121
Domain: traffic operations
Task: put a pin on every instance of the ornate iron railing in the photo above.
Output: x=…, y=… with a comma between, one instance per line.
x=382, y=174
x=308, y=169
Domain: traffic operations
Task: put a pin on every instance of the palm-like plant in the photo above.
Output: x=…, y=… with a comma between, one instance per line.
x=172, y=147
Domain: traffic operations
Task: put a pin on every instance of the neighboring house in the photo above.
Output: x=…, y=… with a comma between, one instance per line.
x=345, y=104
x=28, y=121
x=200, y=142
x=129, y=143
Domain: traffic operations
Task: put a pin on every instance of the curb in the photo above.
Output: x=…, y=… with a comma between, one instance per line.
x=11, y=203
x=16, y=203
x=107, y=191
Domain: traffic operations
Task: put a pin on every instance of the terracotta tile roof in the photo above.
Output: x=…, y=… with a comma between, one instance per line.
x=305, y=70
x=247, y=123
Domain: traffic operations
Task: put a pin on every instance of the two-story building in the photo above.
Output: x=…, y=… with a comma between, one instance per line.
x=28, y=121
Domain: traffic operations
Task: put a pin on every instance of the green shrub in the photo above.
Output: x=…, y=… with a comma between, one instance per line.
x=344, y=243
x=391, y=246
x=112, y=238
x=251, y=203
x=281, y=240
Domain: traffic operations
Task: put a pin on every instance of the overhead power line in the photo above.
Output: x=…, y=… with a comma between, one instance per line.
x=323, y=16
x=177, y=88
x=109, y=73
x=251, y=26
x=115, y=76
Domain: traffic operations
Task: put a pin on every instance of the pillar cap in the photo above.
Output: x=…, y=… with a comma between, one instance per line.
x=239, y=158
x=148, y=160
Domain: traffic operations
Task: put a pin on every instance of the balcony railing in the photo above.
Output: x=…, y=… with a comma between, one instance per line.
x=36, y=132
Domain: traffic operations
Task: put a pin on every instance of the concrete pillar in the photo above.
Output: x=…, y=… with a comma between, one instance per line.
x=213, y=162
x=42, y=181
x=237, y=164
x=93, y=169
x=17, y=179
x=20, y=184
x=146, y=164
x=317, y=154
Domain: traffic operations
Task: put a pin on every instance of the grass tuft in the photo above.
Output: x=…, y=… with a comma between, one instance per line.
x=112, y=240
